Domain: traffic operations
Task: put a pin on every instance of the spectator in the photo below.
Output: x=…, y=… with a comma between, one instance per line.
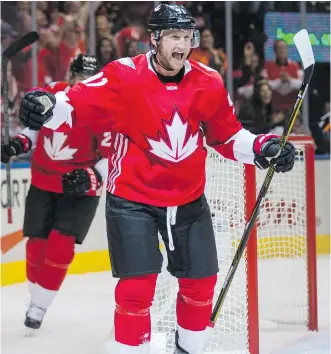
x=71, y=7
x=208, y=55
x=78, y=10
x=22, y=62
x=23, y=22
x=56, y=60
x=244, y=77
x=324, y=126
x=41, y=19
x=105, y=51
x=246, y=92
x=285, y=77
x=297, y=129
x=131, y=48
x=42, y=6
x=23, y=6
x=103, y=28
x=134, y=33
x=257, y=114
x=46, y=68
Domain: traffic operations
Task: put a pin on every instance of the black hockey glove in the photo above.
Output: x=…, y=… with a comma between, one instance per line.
x=17, y=146
x=81, y=181
x=266, y=147
x=36, y=109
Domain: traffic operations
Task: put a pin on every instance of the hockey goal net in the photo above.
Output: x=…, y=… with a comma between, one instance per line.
x=275, y=283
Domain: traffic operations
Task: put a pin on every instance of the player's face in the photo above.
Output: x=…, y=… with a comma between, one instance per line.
x=174, y=48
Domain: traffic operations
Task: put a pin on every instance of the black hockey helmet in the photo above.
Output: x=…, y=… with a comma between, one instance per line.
x=84, y=65
x=172, y=16
x=169, y=17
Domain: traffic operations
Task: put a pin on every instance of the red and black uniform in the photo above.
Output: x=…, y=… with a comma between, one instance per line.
x=55, y=154
x=156, y=176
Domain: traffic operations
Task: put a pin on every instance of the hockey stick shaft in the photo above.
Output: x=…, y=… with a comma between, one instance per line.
x=13, y=49
x=263, y=191
x=6, y=136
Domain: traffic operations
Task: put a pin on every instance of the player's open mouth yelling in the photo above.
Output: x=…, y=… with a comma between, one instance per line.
x=178, y=55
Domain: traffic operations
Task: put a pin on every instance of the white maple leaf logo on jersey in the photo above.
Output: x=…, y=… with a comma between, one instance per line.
x=179, y=145
x=54, y=148
x=62, y=112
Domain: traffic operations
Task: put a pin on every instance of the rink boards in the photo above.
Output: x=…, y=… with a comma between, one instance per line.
x=93, y=255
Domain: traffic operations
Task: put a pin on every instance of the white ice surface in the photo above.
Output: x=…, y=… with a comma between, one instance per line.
x=81, y=318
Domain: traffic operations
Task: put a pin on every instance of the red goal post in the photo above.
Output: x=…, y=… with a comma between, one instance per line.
x=255, y=250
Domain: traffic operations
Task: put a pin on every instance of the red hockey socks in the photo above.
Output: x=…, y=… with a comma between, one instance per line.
x=59, y=254
x=194, y=302
x=35, y=254
x=134, y=296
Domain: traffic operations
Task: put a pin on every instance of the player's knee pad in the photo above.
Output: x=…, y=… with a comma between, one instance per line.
x=134, y=295
x=194, y=303
x=197, y=291
x=60, y=249
x=35, y=249
x=35, y=254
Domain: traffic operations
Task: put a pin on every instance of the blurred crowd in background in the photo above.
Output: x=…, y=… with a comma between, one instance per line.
x=264, y=90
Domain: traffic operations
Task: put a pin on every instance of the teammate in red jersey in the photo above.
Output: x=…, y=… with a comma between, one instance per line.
x=53, y=219
x=162, y=106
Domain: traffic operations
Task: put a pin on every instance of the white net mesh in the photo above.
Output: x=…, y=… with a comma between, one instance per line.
x=281, y=249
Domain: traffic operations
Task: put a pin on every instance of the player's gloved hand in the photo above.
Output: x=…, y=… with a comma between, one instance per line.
x=80, y=181
x=36, y=109
x=266, y=147
x=17, y=146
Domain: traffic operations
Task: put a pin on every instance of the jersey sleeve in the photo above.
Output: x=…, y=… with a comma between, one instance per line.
x=92, y=102
x=223, y=131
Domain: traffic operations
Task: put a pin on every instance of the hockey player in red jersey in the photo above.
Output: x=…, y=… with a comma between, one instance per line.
x=53, y=219
x=158, y=102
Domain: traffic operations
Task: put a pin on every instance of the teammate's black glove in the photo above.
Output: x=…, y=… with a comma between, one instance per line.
x=17, y=146
x=81, y=181
x=36, y=109
x=266, y=147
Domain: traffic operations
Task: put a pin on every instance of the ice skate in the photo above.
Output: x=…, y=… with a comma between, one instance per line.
x=34, y=317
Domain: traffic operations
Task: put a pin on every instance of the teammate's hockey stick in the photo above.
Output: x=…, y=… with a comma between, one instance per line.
x=13, y=49
x=302, y=42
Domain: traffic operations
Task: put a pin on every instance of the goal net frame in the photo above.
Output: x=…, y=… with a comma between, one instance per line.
x=163, y=309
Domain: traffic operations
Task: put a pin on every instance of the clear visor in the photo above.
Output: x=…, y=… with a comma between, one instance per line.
x=195, y=35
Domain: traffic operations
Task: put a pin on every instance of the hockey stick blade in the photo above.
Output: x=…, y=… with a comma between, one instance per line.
x=23, y=42
x=302, y=42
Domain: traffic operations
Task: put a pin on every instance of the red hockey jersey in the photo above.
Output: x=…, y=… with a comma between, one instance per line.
x=59, y=152
x=157, y=156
